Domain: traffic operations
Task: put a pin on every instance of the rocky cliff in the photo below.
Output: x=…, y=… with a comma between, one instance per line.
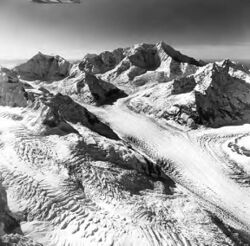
x=12, y=92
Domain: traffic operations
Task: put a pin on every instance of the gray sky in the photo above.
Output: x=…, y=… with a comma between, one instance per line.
x=200, y=28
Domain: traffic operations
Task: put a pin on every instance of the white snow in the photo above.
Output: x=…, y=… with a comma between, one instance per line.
x=197, y=170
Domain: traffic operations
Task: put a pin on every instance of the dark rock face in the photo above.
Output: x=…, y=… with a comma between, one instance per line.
x=183, y=85
x=10, y=232
x=177, y=56
x=223, y=99
x=7, y=223
x=144, y=56
x=44, y=67
x=101, y=63
x=103, y=92
x=12, y=92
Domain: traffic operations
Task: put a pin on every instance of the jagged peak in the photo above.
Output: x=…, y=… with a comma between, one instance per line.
x=177, y=55
x=213, y=67
x=208, y=73
x=227, y=63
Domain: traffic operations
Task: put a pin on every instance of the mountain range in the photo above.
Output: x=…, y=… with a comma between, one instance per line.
x=141, y=145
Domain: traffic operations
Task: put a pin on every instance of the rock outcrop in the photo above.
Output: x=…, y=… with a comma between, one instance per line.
x=103, y=92
x=10, y=231
x=222, y=99
x=8, y=224
x=101, y=63
x=12, y=92
x=44, y=67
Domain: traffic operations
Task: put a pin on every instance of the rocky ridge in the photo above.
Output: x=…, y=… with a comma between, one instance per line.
x=12, y=91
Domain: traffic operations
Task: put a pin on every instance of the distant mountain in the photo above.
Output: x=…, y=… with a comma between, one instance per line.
x=44, y=67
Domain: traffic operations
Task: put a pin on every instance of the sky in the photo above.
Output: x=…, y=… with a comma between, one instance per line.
x=204, y=29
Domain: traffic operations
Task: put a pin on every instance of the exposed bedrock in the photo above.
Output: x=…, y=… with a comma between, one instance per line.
x=103, y=92
x=101, y=63
x=222, y=99
x=8, y=223
x=12, y=92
